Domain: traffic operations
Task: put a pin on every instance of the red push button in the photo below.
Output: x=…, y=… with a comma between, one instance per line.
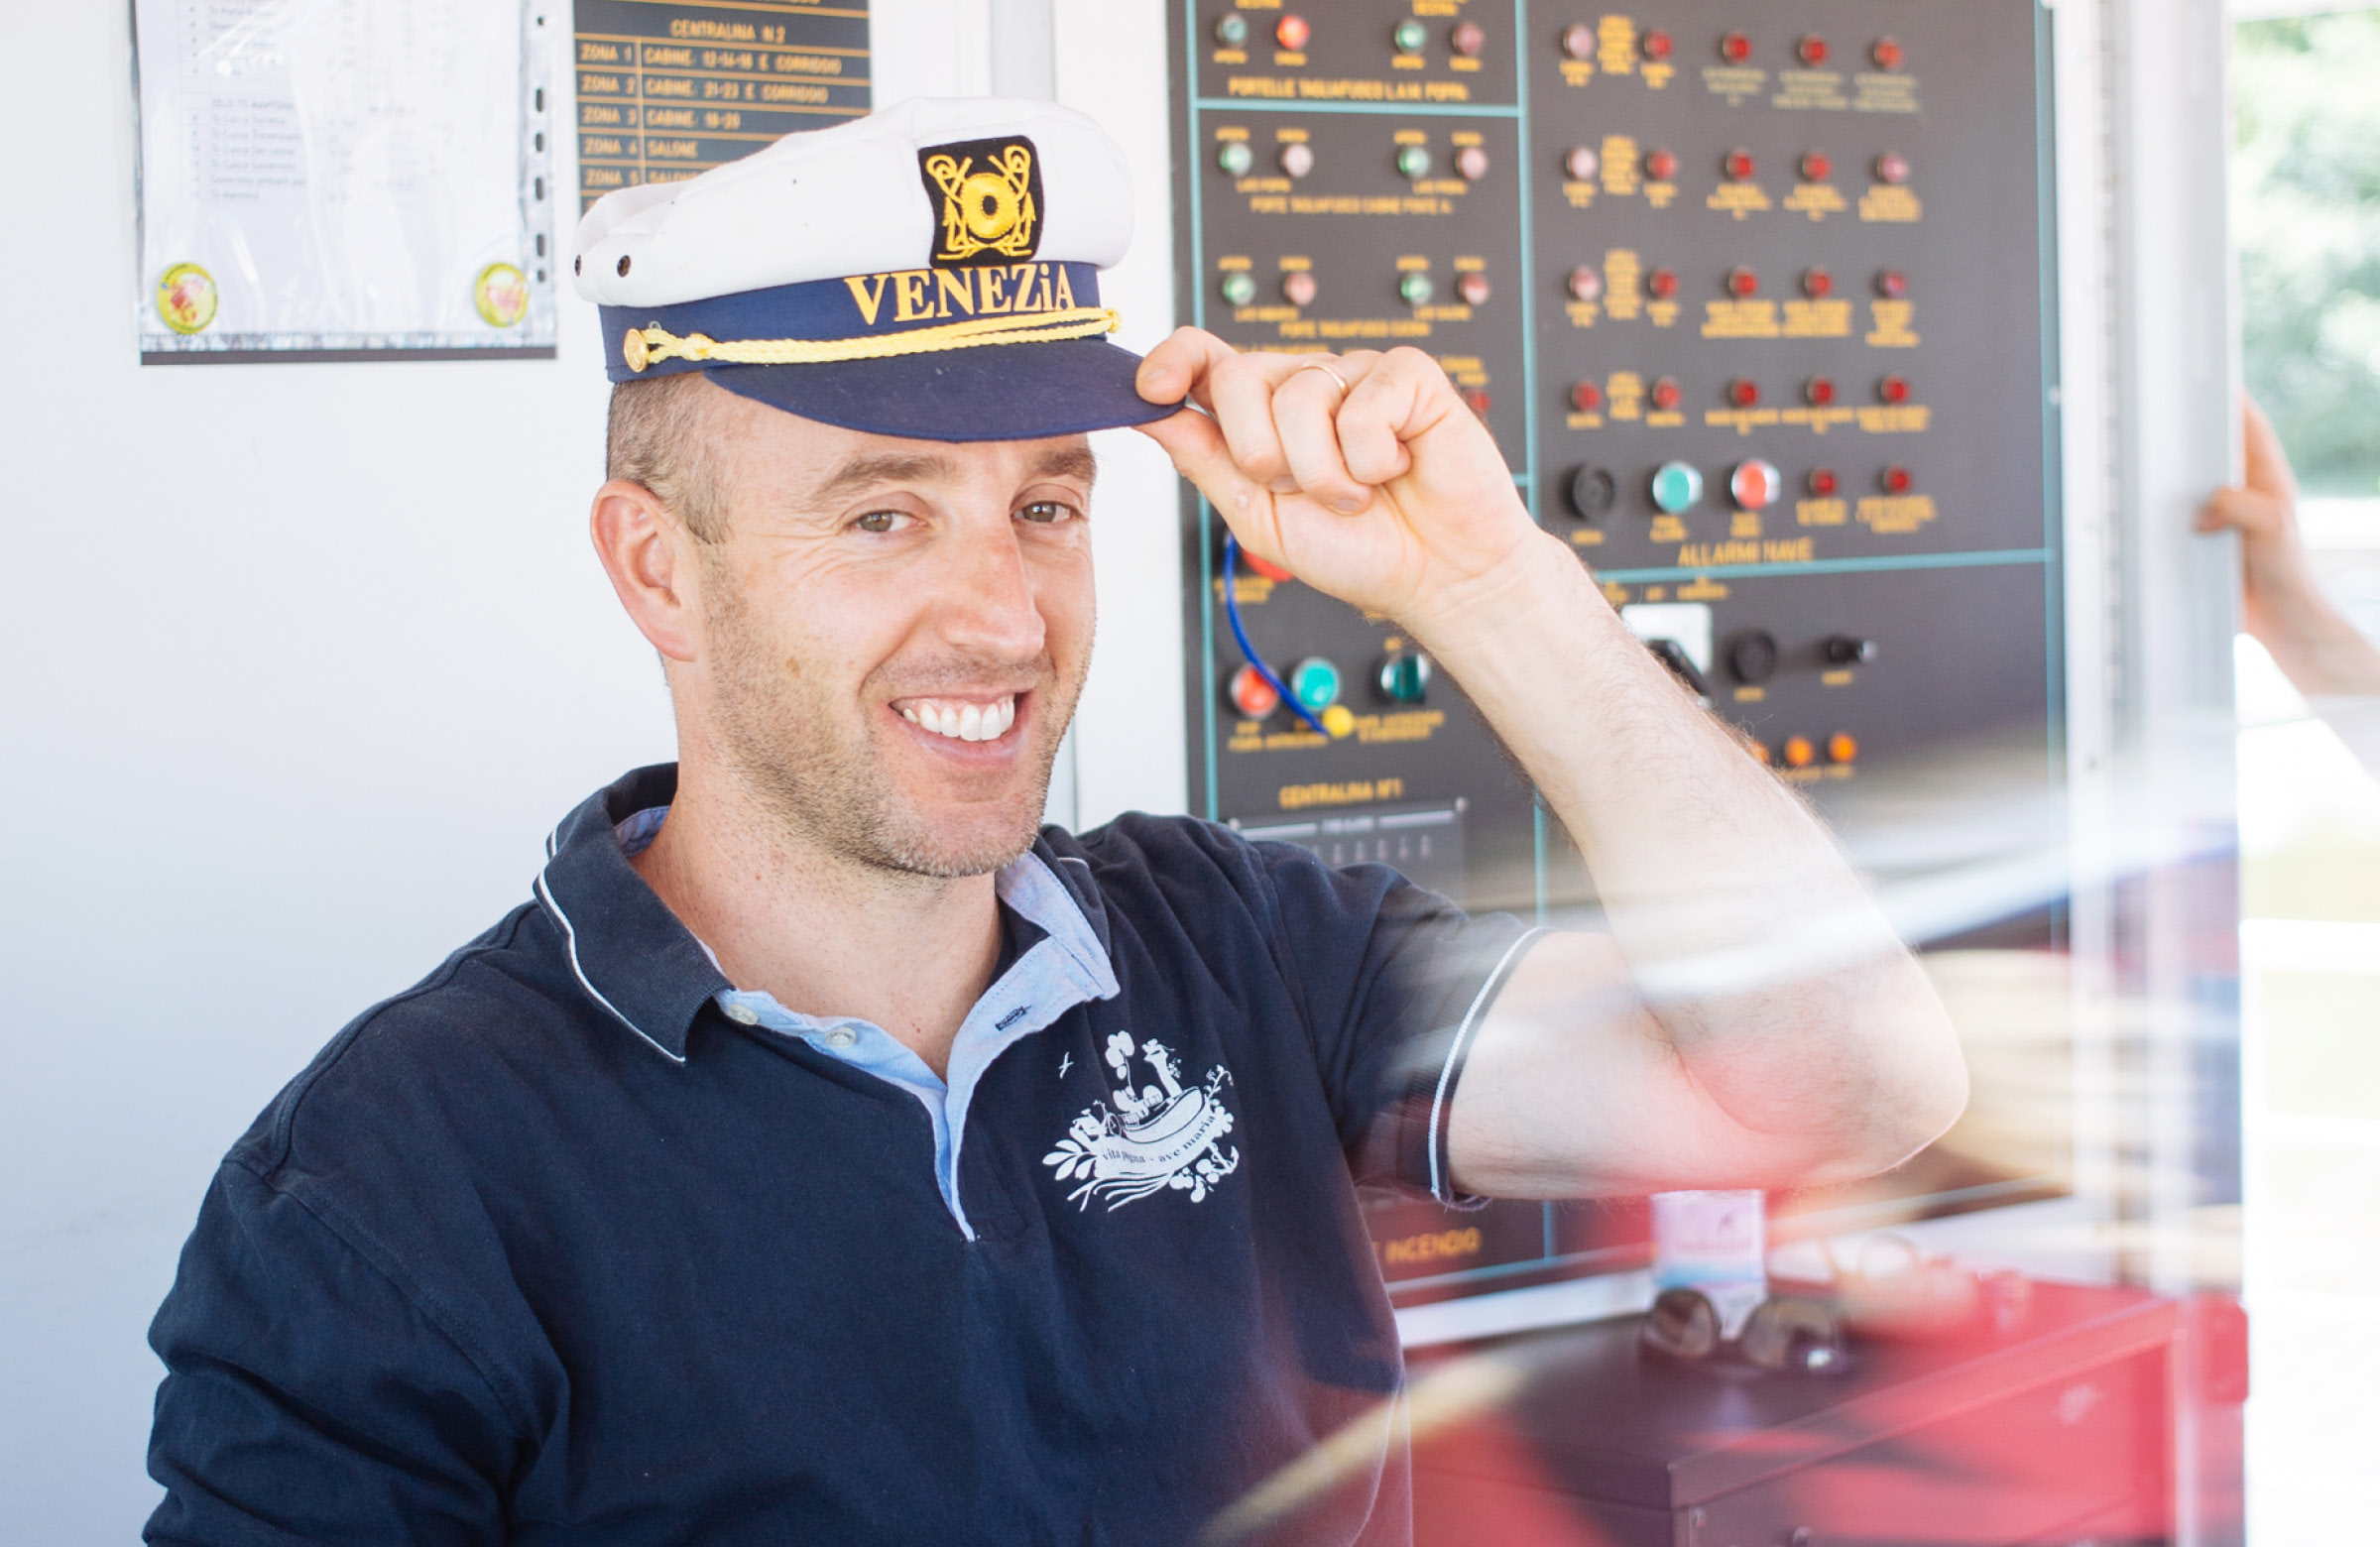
x=1742, y=282
x=1887, y=54
x=1667, y=394
x=1291, y=33
x=1657, y=45
x=1660, y=165
x=1298, y=288
x=1738, y=165
x=1896, y=480
x=1472, y=288
x=1816, y=168
x=1581, y=165
x=1893, y=388
x=1755, y=484
x=1893, y=285
x=1817, y=392
x=1810, y=51
x=1586, y=283
x=1578, y=41
x=1251, y=695
x=1821, y=483
x=1587, y=397
x=1662, y=283
x=1468, y=39
x=1743, y=393
x=1471, y=163
x=1817, y=284
x=1893, y=167
x=1736, y=47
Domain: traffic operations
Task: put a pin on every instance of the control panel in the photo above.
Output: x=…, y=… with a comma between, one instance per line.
x=1754, y=297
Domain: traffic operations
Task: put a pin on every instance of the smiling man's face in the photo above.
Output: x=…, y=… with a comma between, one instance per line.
x=893, y=633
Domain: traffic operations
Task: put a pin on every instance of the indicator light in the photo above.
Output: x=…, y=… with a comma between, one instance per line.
x=1677, y=488
x=1755, y=484
x=1251, y=695
x=1660, y=165
x=1238, y=288
x=1738, y=165
x=1799, y=753
x=1593, y=492
x=1736, y=47
x=1893, y=285
x=1235, y=158
x=1662, y=283
x=1406, y=678
x=1315, y=683
x=1821, y=483
x=1586, y=397
x=1817, y=392
x=1892, y=169
x=1473, y=286
x=1657, y=45
x=1742, y=282
x=1263, y=566
x=1478, y=401
x=1410, y=36
x=1291, y=33
x=1667, y=394
x=1893, y=388
x=1413, y=160
x=1753, y=657
x=1887, y=54
x=1585, y=284
x=1468, y=39
x=1742, y=394
x=1816, y=168
x=1817, y=284
x=1298, y=288
x=1414, y=289
x=1471, y=162
x=1849, y=650
x=1232, y=31
x=1810, y=51
x=1895, y=480
x=1842, y=746
x=1578, y=41
x=1297, y=159
x=1581, y=165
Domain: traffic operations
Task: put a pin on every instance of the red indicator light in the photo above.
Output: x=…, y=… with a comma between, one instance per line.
x=1893, y=388
x=1578, y=41
x=1819, y=391
x=1812, y=51
x=1587, y=397
x=1738, y=165
x=1896, y=480
x=1586, y=283
x=1816, y=168
x=1817, y=284
x=1581, y=165
x=1477, y=400
x=1299, y=288
x=1291, y=33
x=1662, y=283
x=1887, y=54
x=1744, y=394
x=1892, y=169
x=1657, y=45
x=1660, y=165
x=1893, y=285
x=1736, y=47
x=1742, y=282
x=1821, y=483
x=1667, y=394
x=1468, y=39
x=1471, y=163
x=1472, y=288
x=1799, y=753
x=1251, y=695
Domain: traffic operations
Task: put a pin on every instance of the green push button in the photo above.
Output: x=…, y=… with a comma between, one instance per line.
x=1414, y=161
x=1239, y=287
x=1315, y=682
x=1415, y=289
x=1406, y=678
x=1232, y=31
x=1235, y=158
x=1677, y=488
x=1410, y=36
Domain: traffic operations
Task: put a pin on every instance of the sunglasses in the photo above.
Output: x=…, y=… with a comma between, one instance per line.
x=1784, y=1333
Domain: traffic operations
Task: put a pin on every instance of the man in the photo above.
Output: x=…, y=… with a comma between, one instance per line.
x=824, y=1154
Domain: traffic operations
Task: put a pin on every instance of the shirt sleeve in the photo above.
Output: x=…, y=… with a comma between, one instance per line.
x=309, y=1398
x=1396, y=980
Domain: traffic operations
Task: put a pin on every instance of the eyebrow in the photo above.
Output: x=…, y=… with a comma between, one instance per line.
x=1073, y=459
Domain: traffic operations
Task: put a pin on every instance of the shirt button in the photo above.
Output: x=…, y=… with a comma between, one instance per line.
x=744, y=1014
x=841, y=1036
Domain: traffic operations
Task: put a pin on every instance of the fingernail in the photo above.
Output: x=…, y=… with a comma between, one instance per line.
x=1346, y=506
x=1284, y=486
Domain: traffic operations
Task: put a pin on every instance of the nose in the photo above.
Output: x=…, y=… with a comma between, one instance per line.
x=988, y=609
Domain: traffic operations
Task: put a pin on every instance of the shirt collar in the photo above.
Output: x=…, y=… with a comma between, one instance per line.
x=647, y=971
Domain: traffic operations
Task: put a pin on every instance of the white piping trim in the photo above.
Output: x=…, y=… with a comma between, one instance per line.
x=570, y=938
x=1446, y=1073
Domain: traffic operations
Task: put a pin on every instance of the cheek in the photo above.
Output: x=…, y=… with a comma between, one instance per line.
x=1067, y=600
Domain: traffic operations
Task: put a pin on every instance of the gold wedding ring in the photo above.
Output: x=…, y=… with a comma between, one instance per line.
x=1317, y=364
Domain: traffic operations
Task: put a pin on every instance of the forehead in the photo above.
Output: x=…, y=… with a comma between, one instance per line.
x=821, y=463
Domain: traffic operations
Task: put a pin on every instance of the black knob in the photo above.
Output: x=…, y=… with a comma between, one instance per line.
x=1849, y=650
x=1593, y=492
x=1753, y=657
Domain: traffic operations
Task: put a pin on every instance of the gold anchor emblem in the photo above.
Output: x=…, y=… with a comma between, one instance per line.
x=986, y=210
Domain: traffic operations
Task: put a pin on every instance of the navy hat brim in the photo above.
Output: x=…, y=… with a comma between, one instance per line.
x=1000, y=392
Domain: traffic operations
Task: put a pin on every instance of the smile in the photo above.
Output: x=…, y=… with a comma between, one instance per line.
x=961, y=718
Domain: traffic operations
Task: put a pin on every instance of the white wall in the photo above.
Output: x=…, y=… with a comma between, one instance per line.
x=302, y=660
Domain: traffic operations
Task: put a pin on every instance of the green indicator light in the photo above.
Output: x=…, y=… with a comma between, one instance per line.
x=1406, y=678
x=1232, y=31
x=1410, y=36
x=1415, y=289
x=1414, y=161
x=1238, y=288
x=1235, y=158
x=1677, y=488
x=1315, y=682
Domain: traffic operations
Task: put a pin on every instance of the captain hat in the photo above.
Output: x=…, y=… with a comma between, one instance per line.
x=929, y=271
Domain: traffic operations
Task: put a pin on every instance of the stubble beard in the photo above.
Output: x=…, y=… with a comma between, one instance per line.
x=817, y=769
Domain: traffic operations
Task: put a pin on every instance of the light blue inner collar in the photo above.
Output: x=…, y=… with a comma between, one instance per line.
x=1066, y=968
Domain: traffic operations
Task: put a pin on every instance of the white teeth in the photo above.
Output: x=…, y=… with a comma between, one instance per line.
x=971, y=723
x=966, y=722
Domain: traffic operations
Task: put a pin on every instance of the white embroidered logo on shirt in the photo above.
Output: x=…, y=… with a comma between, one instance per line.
x=1162, y=1138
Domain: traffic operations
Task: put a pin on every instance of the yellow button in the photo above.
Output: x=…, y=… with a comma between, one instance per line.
x=1338, y=720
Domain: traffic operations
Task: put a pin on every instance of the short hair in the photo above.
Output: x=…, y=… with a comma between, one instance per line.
x=658, y=436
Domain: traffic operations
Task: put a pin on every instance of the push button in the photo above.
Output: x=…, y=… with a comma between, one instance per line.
x=1232, y=30
x=1471, y=163
x=1742, y=282
x=1810, y=51
x=1468, y=39
x=1298, y=288
x=1316, y=683
x=1816, y=168
x=1406, y=678
x=1292, y=33
x=1893, y=285
x=1657, y=45
x=1410, y=36
x=1742, y=393
x=1677, y=488
x=1586, y=398
x=1817, y=284
x=1251, y=695
x=1821, y=483
x=1892, y=169
x=1233, y=159
x=1593, y=492
x=1415, y=290
x=1667, y=394
x=1660, y=165
x=1817, y=392
x=1578, y=41
x=1738, y=165
x=1581, y=165
x=1755, y=484
x=1662, y=283
x=1473, y=288
x=1896, y=480
x=1586, y=283
x=1842, y=746
x=1297, y=159
x=1238, y=288
x=1894, y=390
x=1887, y=54
x=1736, y=47
x=1753, y=658
x=1414, y=161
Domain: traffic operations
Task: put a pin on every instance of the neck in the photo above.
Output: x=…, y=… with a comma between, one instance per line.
x=825, y=934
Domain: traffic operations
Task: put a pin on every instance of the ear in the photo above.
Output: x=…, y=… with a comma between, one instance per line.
x=647, y=554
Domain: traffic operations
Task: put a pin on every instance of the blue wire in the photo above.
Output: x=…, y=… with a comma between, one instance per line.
x=1248, y=651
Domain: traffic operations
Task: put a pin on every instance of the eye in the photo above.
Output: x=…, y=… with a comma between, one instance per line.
x=1045, y=512
x=880, y=520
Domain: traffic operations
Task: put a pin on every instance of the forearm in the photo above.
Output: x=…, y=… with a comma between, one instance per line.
x=1764, y=964
x=2309, y=637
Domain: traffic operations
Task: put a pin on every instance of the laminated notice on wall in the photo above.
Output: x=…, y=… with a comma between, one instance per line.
x=668, y=87
x=340, y=178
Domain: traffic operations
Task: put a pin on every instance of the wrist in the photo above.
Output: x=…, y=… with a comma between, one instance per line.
x=1459, y=619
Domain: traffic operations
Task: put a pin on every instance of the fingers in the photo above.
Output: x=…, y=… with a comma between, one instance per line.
x=1404, y=396
x=2268, y=470
x=1306, y=412
x=1201, y=455
x=1176, y=370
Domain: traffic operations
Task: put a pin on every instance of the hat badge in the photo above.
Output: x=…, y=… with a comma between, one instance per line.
x=988, y=205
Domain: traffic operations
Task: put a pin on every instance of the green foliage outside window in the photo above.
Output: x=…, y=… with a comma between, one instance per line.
x=2306, y=213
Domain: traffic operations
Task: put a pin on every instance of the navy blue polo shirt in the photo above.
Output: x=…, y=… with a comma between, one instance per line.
x=574, y=1241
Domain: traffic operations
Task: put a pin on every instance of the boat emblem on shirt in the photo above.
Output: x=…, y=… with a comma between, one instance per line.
x=1160, y=1138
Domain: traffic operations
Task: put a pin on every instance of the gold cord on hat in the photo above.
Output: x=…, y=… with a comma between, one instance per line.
x=654, y=343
